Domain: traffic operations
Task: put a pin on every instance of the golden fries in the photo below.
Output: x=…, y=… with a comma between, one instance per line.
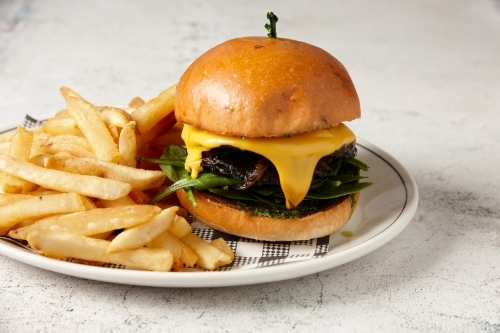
x=92, y=222
x=137, y=178
x=138, y=236
x=52, y=144
x=93, y=128
x=150, y=113
x=180, y=227
x=72, y=189
x=67, y=93
x=62, y=125
x=6, y=136
x=123, y=201
x=127, y=145
x=37, y=207
x=167, y=241
x=221, y=244
x=114, y=116
x=64, y=245
x=162, y=126
x=136, y=102
x=20, y=147
x=4, y=147
x=91, y=186
x=168, y=137
x=209, y=257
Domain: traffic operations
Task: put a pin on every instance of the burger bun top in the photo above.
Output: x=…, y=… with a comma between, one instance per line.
x=265, y=87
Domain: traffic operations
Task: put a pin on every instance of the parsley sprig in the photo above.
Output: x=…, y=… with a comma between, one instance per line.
x=271, y=26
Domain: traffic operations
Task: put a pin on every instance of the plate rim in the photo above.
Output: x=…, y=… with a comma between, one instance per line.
x=241, y=276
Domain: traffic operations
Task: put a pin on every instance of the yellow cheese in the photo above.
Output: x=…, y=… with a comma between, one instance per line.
x=294, y=157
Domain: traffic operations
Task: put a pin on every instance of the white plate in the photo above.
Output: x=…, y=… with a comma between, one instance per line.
x=383, y=211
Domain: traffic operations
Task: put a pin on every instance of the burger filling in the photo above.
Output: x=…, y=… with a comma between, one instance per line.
x=254, y=169
x=294, y=156
x=284, y=177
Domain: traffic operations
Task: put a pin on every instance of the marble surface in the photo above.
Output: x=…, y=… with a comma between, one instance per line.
x=428, y=76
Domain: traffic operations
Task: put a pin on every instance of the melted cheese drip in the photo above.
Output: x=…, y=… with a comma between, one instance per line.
x=295, y=158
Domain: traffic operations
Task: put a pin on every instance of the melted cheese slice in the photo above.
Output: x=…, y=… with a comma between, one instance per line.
x=294, y=157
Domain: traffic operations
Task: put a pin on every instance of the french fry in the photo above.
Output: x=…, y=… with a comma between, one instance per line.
x=150, y=113
x=120, y=202
x=62, y=125
x=20, y=147
x=65, y=245
x=38, y=207
x=4, y=147
x=138, y=179
x=114, y=132
x=180, y=227
x=68, y=93
x=90, y=186
x=88, y=200
x=8, y=198
x=23, y=224
x=162, y=126
x=52, y=144
x=127, y=145
x=209, y=257
x=43, y=191
x=12, y=184
x=4, y=230
x=88, y=203
x=102, y=235
x=188, y=257
x=20, y=144
x=138, y=236
x=166, y=240
x=139, y=197
x=169, y=137
x=62, y=113
x=182, y=254
x=93, y=128
x=92, y=222
x=6, y=136
x=136, y=102
x=114, y=116
x=182, y=212
x=40, y=191
x=221, y=244
x=39, y=160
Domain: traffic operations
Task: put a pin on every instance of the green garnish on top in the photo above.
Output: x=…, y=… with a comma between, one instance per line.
x=271, y=26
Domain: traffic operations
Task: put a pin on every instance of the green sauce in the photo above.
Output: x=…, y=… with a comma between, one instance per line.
x=346, y=234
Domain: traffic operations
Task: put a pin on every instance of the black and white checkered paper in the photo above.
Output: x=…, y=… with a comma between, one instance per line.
x=248, y=253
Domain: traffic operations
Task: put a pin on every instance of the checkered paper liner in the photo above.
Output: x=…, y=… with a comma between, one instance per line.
x=251, y=253
x=248, y=253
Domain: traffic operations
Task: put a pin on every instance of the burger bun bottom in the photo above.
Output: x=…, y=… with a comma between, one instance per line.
x=224, y=216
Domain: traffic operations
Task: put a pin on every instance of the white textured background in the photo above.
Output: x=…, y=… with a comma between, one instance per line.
x=428, y=76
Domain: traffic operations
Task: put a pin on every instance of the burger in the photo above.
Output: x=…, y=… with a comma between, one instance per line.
x=266, y=153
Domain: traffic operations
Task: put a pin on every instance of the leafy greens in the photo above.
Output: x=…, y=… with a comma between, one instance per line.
x=269, y=198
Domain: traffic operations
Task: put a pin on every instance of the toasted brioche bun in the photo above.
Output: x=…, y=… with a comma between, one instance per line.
x=222, y=215
x=265, y=87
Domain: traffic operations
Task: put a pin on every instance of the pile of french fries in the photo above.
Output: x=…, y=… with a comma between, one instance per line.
x=72, y=188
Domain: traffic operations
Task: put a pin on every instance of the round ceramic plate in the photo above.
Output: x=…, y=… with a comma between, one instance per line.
x=383, y=211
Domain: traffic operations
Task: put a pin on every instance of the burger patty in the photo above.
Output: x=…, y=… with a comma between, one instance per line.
x=255, y=169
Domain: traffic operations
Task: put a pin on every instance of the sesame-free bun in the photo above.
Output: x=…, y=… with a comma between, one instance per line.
x=265, y=87
x=221, y=214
